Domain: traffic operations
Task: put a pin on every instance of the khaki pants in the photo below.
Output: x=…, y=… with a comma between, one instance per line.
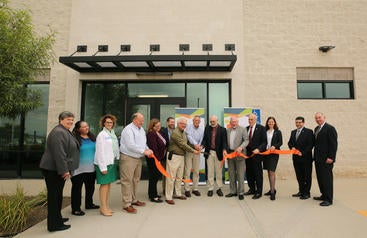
x=130, y=172
x=214, y=165
x=175, y=168
x=192, y=161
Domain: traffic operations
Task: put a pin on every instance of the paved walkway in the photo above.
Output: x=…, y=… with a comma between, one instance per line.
x=219, y=216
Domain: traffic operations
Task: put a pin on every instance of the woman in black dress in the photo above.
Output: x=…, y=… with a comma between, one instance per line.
x=270, y=162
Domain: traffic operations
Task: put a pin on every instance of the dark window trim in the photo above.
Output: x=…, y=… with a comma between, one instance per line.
x=323, y=82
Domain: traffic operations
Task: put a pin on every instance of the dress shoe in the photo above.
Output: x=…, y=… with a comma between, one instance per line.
x=60, y=228
x=272, y=196
x=105, y=212
x=220, y=193
x=321, y=198
x=304, y=197
x=210, y=193
x=229, y=195
x=256, y=196
x=182, y=197
x=170, y=202
x=269, y=193
x=325, y=203
x=138, y=203
x=241, y=197
x=249, y=192
x=130, y=209
x=196, y=193
x=78, y=213
x=297, y=194
x=64, y=219
x=156, y=200
x=93, y=206
x=187, y=194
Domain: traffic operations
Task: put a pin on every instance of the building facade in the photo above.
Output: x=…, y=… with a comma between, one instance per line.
x=266, y=54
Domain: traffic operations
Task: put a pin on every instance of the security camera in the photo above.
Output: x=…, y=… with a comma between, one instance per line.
x=326, y=48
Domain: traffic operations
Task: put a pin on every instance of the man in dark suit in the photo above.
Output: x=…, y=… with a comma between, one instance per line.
x=257, y=143
x=302, y=139
x=166, y=133
x=215, y=144
x=326, y=145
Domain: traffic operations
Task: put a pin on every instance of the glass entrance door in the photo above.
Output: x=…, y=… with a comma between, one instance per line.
x=160, y=108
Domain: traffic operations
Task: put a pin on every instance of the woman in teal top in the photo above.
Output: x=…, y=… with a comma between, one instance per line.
x=85, y=173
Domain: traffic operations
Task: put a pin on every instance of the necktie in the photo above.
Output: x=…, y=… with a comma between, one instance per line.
x=250, y=135
x=317, y=131
x=297, y=134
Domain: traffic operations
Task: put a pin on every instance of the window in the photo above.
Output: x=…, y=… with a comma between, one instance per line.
x=325, y=83
x=325, y=90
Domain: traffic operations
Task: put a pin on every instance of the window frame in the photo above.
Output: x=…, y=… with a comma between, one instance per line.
x=323, y=89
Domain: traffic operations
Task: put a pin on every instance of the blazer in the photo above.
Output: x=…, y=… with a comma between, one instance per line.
x=276, y=141
x=104, y=155
x=240, y=139
x=326, y=143
x=220, y=141
x=62, y=151
x=164, y=133
x=259, y=139
x=304, y=144
x=156, y=144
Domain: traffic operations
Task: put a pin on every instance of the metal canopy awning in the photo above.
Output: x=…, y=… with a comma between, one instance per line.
x=149, y=63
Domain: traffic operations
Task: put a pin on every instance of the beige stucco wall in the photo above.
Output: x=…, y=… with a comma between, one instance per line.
x=280, y=36
x=272, y=39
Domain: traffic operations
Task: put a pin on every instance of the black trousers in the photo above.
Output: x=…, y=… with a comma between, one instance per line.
x=154, y=176
x=55, y=185
x=324, y=174
x=88, y=179
x=303, y=169
x=254, y=174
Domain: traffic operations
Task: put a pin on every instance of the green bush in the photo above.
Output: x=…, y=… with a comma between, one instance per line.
x=13, y=212
x=15, y=208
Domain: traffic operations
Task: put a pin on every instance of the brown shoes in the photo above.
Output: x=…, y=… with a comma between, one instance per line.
x=130, y=209
x=196, y=193
x=187, y=194
x=170, y=202
x=138, y=203
x=182, y=197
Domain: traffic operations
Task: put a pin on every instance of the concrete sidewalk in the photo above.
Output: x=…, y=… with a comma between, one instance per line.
x=218, y=216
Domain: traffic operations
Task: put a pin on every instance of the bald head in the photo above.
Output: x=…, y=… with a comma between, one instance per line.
x=252, y=118
x=213, y=120
x=320, y=118
x=138, y=119
x=233, y=121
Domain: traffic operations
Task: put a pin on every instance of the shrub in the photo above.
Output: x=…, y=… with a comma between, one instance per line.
x=13, y=212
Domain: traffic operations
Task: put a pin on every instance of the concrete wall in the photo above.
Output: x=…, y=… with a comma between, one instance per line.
x=272, y=39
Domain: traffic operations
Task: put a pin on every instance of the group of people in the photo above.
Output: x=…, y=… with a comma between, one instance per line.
x=84, y=157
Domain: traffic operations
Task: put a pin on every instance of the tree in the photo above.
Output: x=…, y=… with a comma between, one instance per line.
x=22, y=54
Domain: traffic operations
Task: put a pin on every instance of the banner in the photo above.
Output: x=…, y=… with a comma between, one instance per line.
x=188, y=114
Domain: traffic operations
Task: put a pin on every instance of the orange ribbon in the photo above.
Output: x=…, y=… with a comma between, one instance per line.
x=267, y=152
x=164, y=172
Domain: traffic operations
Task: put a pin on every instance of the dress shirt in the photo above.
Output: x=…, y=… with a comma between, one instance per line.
x=231, y=138
x=269, y=134
x=195, y=135
x=214, y=133
x=133, y=141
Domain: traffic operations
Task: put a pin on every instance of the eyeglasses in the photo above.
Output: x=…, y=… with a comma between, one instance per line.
x=109, y=122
